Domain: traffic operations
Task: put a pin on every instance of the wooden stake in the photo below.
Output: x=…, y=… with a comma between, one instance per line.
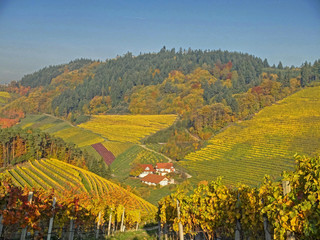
x=109, y=227
x=51, y=220
x=159, y=230
x=165, y=231
x=98, y=225
x=1, y=225
x=71, y=230
x=286, y=190
x=24, y=231
x=267, y=235
x=180, y=224
x=122, y=219
x=237, y=235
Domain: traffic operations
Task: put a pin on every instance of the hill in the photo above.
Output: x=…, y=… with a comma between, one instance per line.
x=127, y=128
x=52, y=173
x=266, y=144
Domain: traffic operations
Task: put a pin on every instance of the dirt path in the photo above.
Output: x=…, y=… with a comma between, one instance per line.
x=151, y=150
x=169, y=159
x=193, y=136
x=49, y=115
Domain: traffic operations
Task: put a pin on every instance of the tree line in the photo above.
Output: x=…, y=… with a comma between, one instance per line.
x=19, y=145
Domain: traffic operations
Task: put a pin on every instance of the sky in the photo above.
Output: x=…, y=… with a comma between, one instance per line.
x=35, y=34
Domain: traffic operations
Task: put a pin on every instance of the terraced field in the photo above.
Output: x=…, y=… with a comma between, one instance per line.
x=52, y=173
x=263, y=145
x=62, y=129
x=128, y=128
x=116, y=147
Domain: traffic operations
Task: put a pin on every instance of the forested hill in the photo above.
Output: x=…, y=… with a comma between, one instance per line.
x=87, y=87
x=207, y=89
x=117, y=77
x=77, y=86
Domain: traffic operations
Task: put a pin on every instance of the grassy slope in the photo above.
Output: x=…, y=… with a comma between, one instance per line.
x=263, y=145
x=59, y=128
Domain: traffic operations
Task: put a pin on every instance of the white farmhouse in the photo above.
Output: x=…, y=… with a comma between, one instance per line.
x=147, y=169
x=164, y=168
x=154, y=179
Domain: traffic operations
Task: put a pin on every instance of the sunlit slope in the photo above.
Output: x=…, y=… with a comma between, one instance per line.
x=263, y=145
x=52, y=173
x=128, y=128
x=4, y=96
x=62, y=129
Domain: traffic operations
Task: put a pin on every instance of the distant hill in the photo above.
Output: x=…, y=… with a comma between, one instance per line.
x=266, y=144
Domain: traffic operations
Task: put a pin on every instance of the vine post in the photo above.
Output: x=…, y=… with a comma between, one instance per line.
x=159, y=230
x=180, y=224
x=71, y=229
x=51, y=220
x=1, y=225
x=110, y=218
x=237, y=235
x=24, y=231
x=122, y=219
x=286, y=190
x=98, y=225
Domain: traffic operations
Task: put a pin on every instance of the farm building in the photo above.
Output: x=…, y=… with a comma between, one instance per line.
x=154, y=179
x=147, y=169
x=164, y=168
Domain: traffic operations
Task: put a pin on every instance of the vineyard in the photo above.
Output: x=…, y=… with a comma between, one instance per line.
x=287, y=209
x=116, y=147
x=107, y=156
x=52, y=173
x=263, y=145
x=4, y=96
x=133, y=156
x=128, y=128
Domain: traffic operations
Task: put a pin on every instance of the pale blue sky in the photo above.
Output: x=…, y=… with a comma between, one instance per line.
x=35, y=34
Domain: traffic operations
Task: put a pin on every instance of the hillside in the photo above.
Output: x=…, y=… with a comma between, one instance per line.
x=127, y=128
x=266, y=144
x=52, y=173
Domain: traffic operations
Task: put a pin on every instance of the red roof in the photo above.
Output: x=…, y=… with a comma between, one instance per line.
x=144, y=166
x=153, y=178
x=164, y=165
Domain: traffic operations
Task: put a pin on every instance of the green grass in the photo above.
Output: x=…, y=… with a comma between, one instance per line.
x=134, y=235
x=266, y=144
x=134, y=155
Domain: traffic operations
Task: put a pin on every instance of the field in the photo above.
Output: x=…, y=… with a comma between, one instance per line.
x=263, y=145
x=62, y=129
x=4, y=96
x=107, y=156
x=127, y=128
x=52, y=173
x=116, y=147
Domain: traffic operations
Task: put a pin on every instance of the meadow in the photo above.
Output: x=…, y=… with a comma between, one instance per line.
x=266, y=144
